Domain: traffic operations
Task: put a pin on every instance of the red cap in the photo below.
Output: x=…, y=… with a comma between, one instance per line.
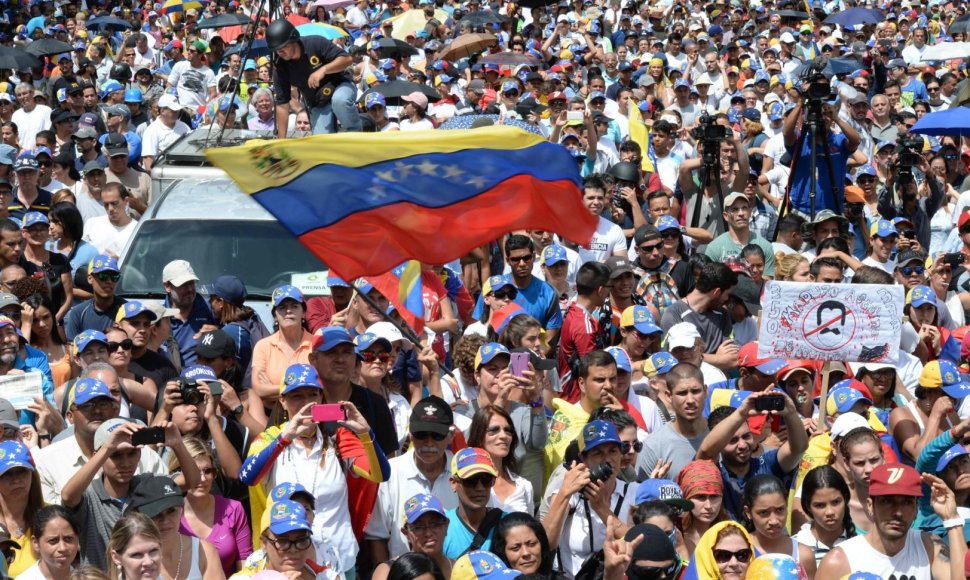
x=964, y=218
x=176, y=43
x=895, y=479
x=748, y=357
x=557, y=96
x=794, y=365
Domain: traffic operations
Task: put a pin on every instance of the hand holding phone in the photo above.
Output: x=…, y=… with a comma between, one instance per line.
x=770, y=403
x=148, y=436
x=325, y=413
x=519, y=364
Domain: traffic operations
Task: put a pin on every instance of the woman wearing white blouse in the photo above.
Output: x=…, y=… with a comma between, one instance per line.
x=492, y=430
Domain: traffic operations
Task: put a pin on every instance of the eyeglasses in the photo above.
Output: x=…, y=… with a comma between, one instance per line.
x=725, y=556
x=9, y=433
x=423, y=435
x=369, y=357
x=509, y=294
x=650, y=249
x=99, y=404
x=517, y=259
x=106, y=276
x=125, y=344
x=626, y=446
x=497, y=430
x=286, y=545
x=670, y=234
x=427, y=528
x=909, y=271
x=476, y=480
x=45, y=163
x=653, y=572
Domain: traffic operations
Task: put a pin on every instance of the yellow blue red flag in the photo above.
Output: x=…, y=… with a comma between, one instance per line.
x=365, y=203
x=402, y=286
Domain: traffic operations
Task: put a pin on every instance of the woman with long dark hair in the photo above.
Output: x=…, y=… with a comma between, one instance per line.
x=521, y=542
x=493, y=431
x=825, y=499
x=765, y=505
x=66, y=230
x=54, y=266
x=41, y=330
x=54, y=540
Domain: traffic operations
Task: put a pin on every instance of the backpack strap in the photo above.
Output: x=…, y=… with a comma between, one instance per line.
x=492, y=516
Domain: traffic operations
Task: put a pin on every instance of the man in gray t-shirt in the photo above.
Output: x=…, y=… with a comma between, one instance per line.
x=667, y=445
x=703, y=308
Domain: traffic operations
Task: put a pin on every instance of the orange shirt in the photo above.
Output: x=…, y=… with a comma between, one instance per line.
x=269, y=357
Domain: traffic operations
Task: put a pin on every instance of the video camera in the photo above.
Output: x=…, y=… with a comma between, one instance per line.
x=819, y=89
x=908, y=156
x=710, y=134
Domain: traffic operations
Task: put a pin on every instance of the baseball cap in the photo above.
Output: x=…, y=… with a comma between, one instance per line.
x=14, y=454
x=133, y=308
x=488, y=351
x=418, y=98
x=366, y=340
x=287, y=490
x=287, y=516
x=169, y=102
x=554, y=254
x=328, y=337
x=621, y=358
x=751, y=114
x=640, y=318
x=472, y=461
x=847, y=422
x=9, y=417
x=103, y=263
x=749, y=293
x=841, y=400
x=374, y=99
x=387, y=331
x=920, y=296
x=667, y=222
x=682, y=335
x=748, y=357
x=225, y=103
x=422, y=504
x=85, y=338
x=883, y=229
x=942, y=374
x=481, y=565
x=951, y=454
x=215, y=344
x=287, y=292
x=33, y=218
x=8, y=299
x=664, y=490
x=115, y=143
x=199, y=373
x=909, y=255
x=154, y=495
x=732, y=197
x=178, y=272
x=658, y=364
x=298, y=376
x=618, y=266
x=895, y=479
x=496, y=283
x=596, y=433
x=26, y=162
x=227, y=287
x=106, y=428
x=596, y=95
x=133, y=96
x=431, y=414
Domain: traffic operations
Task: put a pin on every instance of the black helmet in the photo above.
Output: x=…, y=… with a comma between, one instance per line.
x=625, y=171
x=280, y=33
x=121, y=72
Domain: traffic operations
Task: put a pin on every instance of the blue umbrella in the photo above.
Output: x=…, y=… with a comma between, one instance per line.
x=107, y=23
x=855, y=16
x=258, y=49
x=35, y=23
x=466, y=122
x=327, y=31
x=954, y=122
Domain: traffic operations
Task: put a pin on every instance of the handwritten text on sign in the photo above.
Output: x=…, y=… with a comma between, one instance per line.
x=840, y=322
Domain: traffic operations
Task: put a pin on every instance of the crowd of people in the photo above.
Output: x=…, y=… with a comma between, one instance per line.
x=569, y=410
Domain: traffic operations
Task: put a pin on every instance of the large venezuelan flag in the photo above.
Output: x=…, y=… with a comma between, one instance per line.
x=364, y=203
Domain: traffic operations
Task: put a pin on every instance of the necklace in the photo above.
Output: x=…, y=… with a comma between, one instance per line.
x=178, y=567
x=296, y=470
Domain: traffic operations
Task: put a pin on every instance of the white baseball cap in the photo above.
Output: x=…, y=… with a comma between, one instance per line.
x=682, y=335
x=178, y=272
x=388, y=331
x=169, y=102
x=847, y=422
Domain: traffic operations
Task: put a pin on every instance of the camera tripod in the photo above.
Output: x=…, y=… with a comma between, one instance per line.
x=813, y=118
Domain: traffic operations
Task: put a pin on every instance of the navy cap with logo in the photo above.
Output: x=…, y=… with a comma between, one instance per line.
x=154, y=495
x=215, y=344
x=432, y=414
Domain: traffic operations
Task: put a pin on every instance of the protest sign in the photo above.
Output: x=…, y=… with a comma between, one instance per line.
x=838, y=322
x=20, y=389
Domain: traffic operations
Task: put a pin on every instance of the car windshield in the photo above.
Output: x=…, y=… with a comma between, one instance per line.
x=260, y=252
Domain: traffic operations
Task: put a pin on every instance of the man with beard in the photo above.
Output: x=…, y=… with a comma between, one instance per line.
x=178, y=279
x=90, y=405
x=894, y=549
x=425, y=468
x=731, y=438
x=99, y=312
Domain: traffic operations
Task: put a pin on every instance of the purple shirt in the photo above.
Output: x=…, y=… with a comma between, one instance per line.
x=256, y=124
x=230, y=533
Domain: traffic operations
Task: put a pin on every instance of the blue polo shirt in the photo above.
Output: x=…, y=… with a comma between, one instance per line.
x=767, y=462
x=539, y=301
x=825, y=198
x=184, y=331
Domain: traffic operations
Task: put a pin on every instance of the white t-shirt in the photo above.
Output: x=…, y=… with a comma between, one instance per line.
x=191, y=83
x=577, y=533
x=668, y=168
x=422, y=125
x=107, y=237
x=158, y=137
x=889, y=266
x=607, y=240
x=29, y=124
x=87, y=205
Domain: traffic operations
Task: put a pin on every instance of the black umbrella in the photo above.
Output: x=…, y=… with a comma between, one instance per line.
x=17, y=59
x=107, y=22
x=224, y=20
x=834, y=66
x=394, y=48
x=961, y=24
x=481, y=18
x=793, y=14
x=394, y=90
x=47, y=47
x=259, y=48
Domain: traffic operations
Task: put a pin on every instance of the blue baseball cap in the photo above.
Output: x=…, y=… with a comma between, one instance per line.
x=227, y=287
x=338, y=282
x=368, y=339
x=488, y=351
x=32, y=218
x=328, y=337
x=109, y=87
x=226, y=102
x=363, y=286
x=287, y=516
x=133, y=308
x=249, y=65
x=103, y=263
x=681, y=83
x=374, y=100
x=663, y=490
x=883, y=144
x=86, y=337
x=667, y=222
x=299, y=376
x=199, y=373
x=286, y=490
x=951, y=454
x=14, y=454
x=421, y=504
x=596, y=95
x=882, y=229
x=920, y=296
x=287, y=292
x=621, y=357
x=89, y=389
x=942, y=374
x=510, y=86
x=596, y=433
x=776, y=111
x=481, y=565
x=845, y=397
x=640, y=318
x=659, y=364
x=554, y=254
x=762, y=76
x=496, y=283
x=866, y=169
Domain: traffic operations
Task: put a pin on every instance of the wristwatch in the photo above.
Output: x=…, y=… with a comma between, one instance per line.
x=237, y=412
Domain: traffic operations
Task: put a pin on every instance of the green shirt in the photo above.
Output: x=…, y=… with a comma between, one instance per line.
x=724, y=248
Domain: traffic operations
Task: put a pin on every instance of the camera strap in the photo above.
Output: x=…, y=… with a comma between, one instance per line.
x=492, y=516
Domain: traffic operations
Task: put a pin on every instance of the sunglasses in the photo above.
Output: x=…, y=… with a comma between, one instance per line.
x=626, y=446
x=653, y=572
x=670, y=234
x=369, y=357
x=506, y=294
x=125, y=344
x=650, y=249
x=424, y=435
x=106, y=276
x=725, y=556
x=476, y=480
x=909, y=271
x=517, y=259
x=497, y=430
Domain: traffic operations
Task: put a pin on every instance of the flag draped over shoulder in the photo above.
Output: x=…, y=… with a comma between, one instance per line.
x=364, y=203
x=640, y=135
x=402, y=287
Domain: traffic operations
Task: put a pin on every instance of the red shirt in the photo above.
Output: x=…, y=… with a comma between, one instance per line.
x=577, y=335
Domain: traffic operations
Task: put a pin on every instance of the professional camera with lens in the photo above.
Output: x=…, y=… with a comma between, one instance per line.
x=818, y=89
x=189, y=389
x=600, y=472
x=709, y=134
x=908, y=156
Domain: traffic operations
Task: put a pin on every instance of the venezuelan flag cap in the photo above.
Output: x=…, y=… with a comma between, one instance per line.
x=944, y=375
x=481, y=565
x=488, y=351
x=596, y=433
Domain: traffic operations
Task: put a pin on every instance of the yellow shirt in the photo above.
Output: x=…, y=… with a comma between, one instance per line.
x=567, y=422
x=23, y=558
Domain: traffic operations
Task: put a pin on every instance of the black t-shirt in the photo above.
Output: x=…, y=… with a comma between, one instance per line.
x=374, y=408
x=155, y=366
x=317, y=52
